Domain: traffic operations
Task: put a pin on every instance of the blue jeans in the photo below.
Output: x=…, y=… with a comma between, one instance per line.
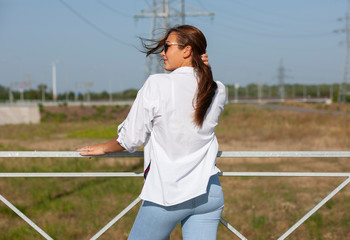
x=199, y=217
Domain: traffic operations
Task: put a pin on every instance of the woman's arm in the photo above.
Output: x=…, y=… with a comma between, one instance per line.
x=102, y=148
x=113, y=145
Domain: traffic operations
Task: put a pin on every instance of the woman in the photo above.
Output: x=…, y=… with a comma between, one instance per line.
x=174, y=116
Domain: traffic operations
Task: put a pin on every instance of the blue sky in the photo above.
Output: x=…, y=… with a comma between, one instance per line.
x=98, y=42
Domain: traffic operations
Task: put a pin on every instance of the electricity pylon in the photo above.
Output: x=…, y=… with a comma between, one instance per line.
x=165, y=13
x=21, y=85
x=281, y=76
x=87, y=85
x=343, y=91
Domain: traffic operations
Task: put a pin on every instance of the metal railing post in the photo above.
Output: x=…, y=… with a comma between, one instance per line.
x=25, y=218
x=232, y=229
x=313, y=210
x=114, y=220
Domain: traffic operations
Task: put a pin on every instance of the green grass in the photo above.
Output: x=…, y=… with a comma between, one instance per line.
x=100, y=132
x=86, y=202
x=260, y=208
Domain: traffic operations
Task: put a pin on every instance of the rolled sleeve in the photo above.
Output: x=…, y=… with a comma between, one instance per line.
x=122, y=137
x=137, y=127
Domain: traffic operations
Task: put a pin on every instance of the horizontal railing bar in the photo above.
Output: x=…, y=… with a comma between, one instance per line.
x=222, y=154
x=63, y=154
x=269, y=154
x=72, y=174
x=283, y=174
x=140, y=174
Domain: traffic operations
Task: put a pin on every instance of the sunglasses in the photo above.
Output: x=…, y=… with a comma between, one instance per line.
x=167, y=45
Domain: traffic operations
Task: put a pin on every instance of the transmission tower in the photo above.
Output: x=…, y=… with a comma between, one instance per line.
x=343, y=91
x=281, y=76
x=165, y=13
x=21, y=85
x=87, y=85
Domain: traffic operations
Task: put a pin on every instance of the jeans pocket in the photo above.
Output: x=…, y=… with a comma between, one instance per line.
x=215, y=191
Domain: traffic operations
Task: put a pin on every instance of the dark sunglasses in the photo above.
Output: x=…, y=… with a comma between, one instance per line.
x=167, y=45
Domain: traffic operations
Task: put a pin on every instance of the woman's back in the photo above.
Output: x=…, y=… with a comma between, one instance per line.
x=174, y=126
x=181, y=155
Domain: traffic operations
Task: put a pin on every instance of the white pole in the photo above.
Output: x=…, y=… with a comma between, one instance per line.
x=54, y=91
x=236, y=92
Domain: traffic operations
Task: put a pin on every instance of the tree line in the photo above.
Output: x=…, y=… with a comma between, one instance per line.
x=289, y=91
x=249, y=91
x=43, y=94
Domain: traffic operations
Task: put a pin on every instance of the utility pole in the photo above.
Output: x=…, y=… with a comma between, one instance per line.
x=25, y=84
x=10, y=94
x=165, y=13
x=304, y=93
x=54, y=90
x=260, y=88
x=343, y=91
x=236, y=92
x=281, y=76
x=43, y=90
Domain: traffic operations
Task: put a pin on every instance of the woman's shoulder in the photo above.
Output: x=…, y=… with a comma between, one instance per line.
x=158, y=77
x=156, y=83
x=221, y=92
x=221, y=86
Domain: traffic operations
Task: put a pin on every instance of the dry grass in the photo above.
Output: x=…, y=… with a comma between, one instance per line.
x=337, y=107
x=260, y=208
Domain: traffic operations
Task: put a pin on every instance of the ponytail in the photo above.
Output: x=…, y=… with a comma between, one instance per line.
x=205, y=91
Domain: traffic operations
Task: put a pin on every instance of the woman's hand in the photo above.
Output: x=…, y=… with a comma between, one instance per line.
x=101, y=149
x=96, y=149
x=205, y=59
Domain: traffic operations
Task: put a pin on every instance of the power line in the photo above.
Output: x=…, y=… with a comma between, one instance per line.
x=277, y=35
x=94, y=26
x=257, y=30
x=148, y=4
x=258, y=27
x=231, y=13
x=274, y=14
x=109, y=7
x=253, y=25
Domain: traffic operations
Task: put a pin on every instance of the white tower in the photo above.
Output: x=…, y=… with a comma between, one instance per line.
x=54, y=91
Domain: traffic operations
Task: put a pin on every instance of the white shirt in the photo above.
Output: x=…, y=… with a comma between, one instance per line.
x=181, y=154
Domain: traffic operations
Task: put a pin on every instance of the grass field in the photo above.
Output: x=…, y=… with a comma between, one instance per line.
x=260, y=208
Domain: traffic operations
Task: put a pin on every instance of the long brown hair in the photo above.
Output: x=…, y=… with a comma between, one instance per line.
x=191, y=36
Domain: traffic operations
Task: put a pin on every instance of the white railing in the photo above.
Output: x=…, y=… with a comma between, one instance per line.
x=226, y=154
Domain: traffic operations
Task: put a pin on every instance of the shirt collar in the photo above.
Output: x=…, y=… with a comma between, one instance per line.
x=183, y=70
